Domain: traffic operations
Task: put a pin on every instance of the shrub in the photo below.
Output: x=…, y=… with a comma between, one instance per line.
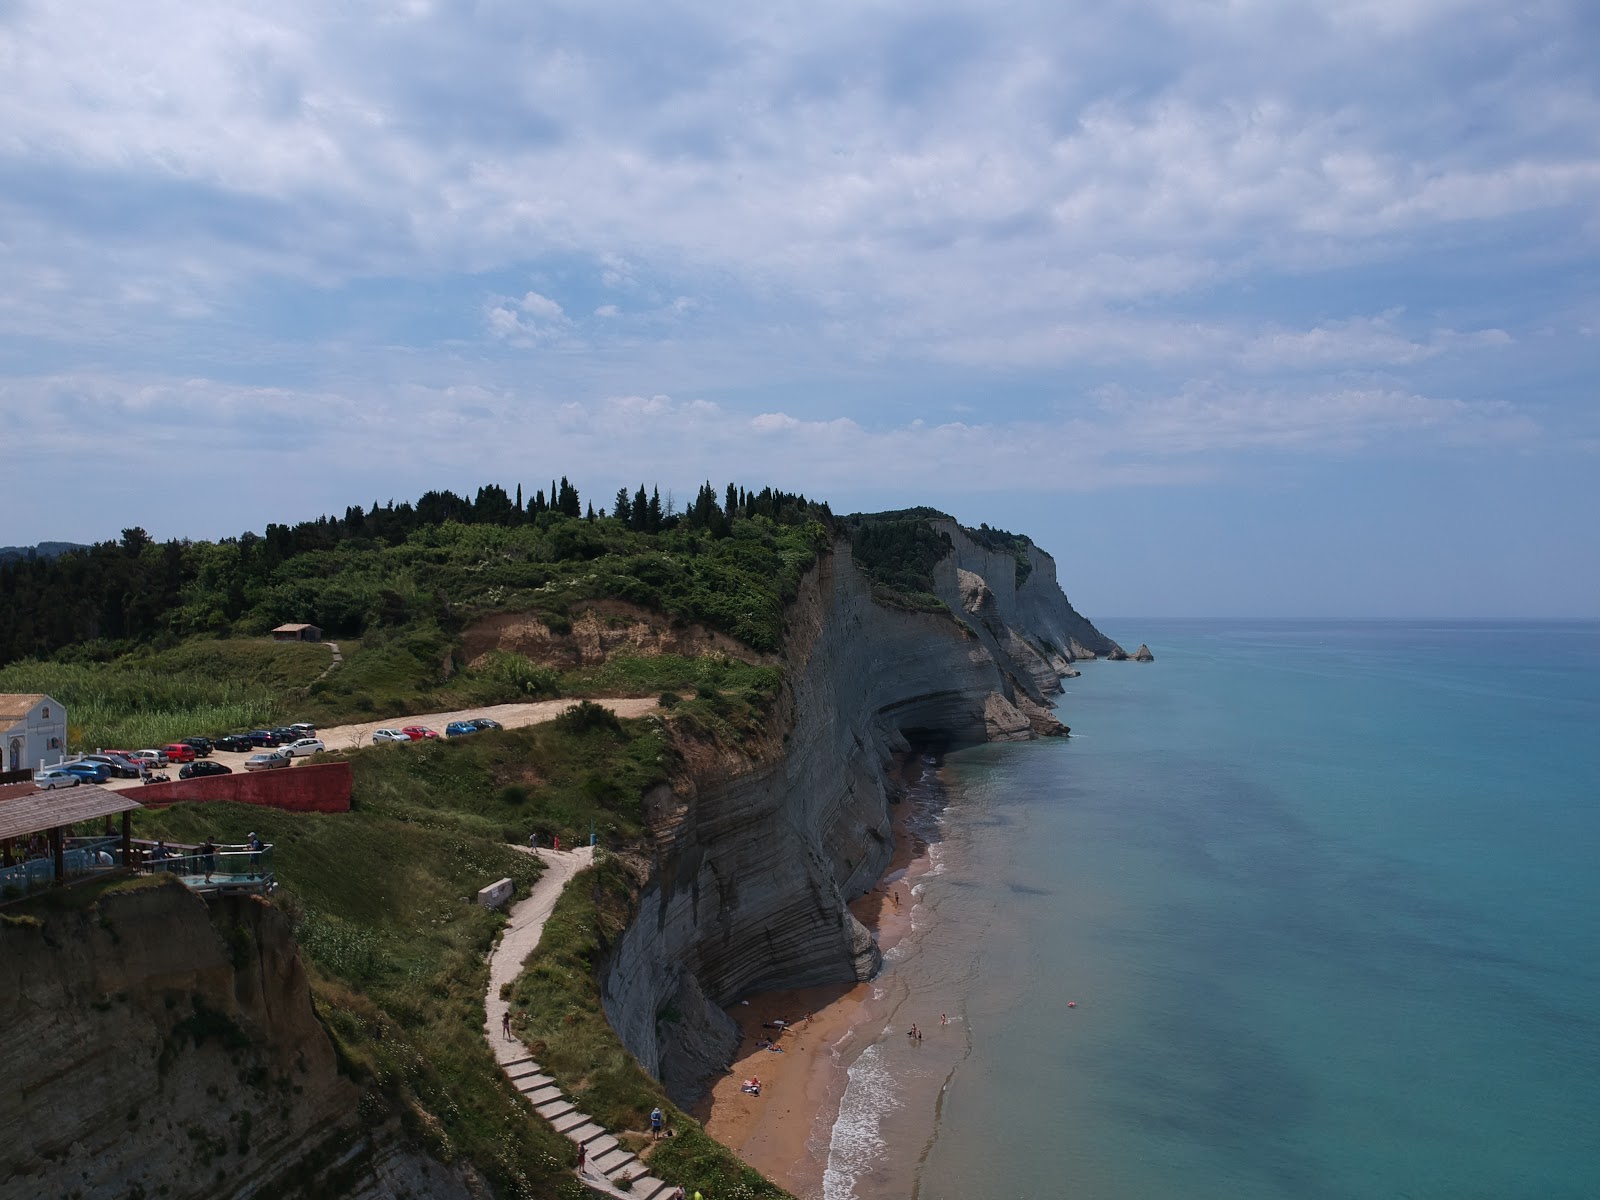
x=668, y=699
x=586, y=716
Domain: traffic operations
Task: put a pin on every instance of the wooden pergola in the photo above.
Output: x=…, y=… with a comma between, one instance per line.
x=52, y=813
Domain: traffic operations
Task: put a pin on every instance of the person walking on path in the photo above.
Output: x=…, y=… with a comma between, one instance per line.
x=555, y=840
x=505, y=1024
x=533, y=840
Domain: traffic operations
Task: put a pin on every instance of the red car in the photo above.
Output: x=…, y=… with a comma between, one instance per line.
x=179, y=752
x=418, y=732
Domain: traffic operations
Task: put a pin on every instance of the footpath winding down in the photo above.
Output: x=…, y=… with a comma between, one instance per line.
x=610, y=1164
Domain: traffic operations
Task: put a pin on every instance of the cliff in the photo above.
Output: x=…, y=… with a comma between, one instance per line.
x=756, y=859
x=157, y=1044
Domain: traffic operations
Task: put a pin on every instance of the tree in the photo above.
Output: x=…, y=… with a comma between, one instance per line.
x=622, y=510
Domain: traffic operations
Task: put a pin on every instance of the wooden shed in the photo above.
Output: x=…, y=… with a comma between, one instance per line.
x=297, y=633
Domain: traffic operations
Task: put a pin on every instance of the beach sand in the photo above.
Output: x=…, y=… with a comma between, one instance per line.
x=784, y=1132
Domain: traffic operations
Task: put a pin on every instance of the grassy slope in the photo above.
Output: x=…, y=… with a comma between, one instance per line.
x=382, y=901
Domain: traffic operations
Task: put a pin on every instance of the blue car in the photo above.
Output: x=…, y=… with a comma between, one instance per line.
x=459, y=729
x=89, y=772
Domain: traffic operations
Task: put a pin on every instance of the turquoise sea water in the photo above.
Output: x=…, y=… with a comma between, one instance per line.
x=1326, y=898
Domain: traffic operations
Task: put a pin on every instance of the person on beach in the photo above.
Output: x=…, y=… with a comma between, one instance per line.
x=505, y=1024
x=943, y=1020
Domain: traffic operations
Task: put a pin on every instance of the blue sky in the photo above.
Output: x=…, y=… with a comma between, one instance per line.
x=1239, y=307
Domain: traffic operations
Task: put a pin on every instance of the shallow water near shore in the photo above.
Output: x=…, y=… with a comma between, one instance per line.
x=1324, y=897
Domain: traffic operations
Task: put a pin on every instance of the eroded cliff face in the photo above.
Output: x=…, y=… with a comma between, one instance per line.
x=157, y=1044
x=758, y=859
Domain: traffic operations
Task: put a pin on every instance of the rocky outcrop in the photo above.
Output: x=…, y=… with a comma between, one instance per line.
x=1142, y=654
x=757, y=858
x=158, y=1045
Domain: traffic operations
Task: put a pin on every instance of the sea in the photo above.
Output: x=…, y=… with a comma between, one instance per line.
x=1302, y=909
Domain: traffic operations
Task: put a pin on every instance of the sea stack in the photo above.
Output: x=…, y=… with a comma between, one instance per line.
x=1142, y=654
x=1118, y=654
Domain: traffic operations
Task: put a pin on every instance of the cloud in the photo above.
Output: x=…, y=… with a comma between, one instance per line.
x=1194, y=229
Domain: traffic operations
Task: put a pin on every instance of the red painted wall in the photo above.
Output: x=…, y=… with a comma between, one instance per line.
x=321, y=788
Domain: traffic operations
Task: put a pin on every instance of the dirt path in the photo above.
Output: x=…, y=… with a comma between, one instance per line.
x=521, y=936
x=611, y=1169
x=512, y=716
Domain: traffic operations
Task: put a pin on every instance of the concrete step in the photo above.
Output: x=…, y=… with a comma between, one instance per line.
x=628, y=1171
x=604, y=1144
x=554, y=1109
x=648, y=1187
x=583, y=1133
x=513, y=1064
x=570, y=1119
x=612, y=1160
x=538, y=1079
x=526, y=1070
x=541, y=1095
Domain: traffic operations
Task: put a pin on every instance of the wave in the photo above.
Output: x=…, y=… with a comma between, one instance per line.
x=857, y=1143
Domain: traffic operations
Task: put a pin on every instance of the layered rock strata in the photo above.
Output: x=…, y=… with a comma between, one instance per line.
x=160, y=1045
x=756, y=859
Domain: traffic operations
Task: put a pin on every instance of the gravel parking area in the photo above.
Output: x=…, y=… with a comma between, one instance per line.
x=350, y=737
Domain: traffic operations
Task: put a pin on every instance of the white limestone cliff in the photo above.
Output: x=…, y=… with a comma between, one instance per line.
x=756, y=861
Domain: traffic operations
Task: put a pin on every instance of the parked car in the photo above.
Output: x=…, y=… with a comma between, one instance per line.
x=200, y=768
x=486, y=723
x=179, y=752
x=55, y=777
x=120, y=768
x=89, y=772
x=286, y=734
x=200, y=745
x=389, y=735
x=267, y=760
x=304, y=746
x=150, y=758
x=304, y=728
x=418, y=733
x=264, y=737
x=234, y=743
x=459, y=729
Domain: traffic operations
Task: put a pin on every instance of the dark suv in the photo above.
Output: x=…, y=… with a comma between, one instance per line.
x=235, y=743
x=263, y=737
x=200, y=745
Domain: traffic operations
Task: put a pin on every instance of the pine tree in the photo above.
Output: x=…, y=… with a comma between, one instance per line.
x=622, y=510
x=653, y=525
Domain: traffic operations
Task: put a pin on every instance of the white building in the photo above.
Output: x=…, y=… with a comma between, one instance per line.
x=33, y=731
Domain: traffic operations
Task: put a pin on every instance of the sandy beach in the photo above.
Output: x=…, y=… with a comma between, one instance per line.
x=784, y=1132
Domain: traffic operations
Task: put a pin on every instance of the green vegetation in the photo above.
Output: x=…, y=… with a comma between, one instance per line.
x=382, y=902
x=556, y=1003
x=898, y=551
x=731, y=566
x=151, y=697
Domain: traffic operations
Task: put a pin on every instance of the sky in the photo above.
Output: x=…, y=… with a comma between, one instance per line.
x=1238, y=307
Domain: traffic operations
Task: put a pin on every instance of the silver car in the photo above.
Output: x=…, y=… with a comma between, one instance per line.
x=388, y=735
x=267, y=760
x=54, y=778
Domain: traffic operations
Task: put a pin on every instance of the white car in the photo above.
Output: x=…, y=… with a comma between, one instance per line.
x=150, y=758
x=55, y=778
x=304, y=746
x=388, y=735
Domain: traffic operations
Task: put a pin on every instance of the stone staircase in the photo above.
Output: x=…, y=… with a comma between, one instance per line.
x=609, y=1160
